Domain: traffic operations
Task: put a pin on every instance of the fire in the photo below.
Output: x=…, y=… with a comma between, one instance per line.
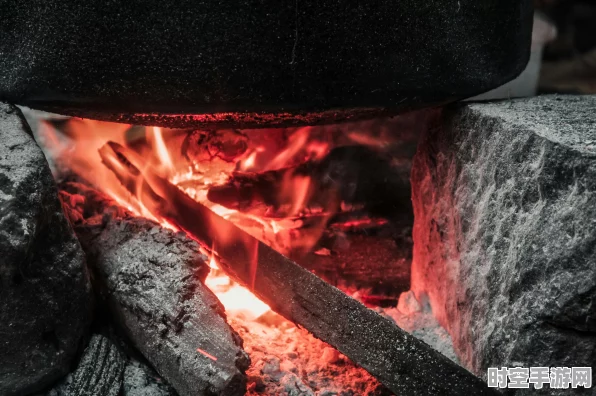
x=235, y=298
x=161, y=150
x=93, y=151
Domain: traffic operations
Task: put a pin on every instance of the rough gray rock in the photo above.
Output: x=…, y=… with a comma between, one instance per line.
x=99, y=372
x=44, y=285
x=504, y=199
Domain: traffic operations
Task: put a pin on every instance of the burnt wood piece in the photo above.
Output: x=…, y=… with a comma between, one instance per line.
x=246, y=191
x=141, y=380
x=256, y=62
x=99, y=372
x=152, y=279
x=400, y=361
x=379, y=264
x=356, y=175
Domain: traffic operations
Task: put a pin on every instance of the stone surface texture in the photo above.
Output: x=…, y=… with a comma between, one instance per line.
x=504, y=199
x=44, y=285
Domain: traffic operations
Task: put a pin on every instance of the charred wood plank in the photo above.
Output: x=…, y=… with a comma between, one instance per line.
x=152, y=280
x=400, y=361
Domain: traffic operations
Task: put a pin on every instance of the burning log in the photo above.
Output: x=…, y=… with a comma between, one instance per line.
x=152, y=279
x=400, y=361
x=342, y=175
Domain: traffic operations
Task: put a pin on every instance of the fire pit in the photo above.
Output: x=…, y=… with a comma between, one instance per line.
x=161, y=294
x=233, y=213
x=300, y=190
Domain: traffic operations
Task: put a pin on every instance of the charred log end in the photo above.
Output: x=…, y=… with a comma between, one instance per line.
x=152, y=280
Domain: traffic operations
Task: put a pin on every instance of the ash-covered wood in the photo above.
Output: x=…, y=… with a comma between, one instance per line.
x=152, y=279
x=140, y=380
x=108, y=367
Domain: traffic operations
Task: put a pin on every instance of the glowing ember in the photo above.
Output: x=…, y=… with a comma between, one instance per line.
x=235, y=298
x=207, y=354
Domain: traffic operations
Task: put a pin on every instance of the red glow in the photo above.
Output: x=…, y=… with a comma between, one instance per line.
x=116, y=159
x=207, y=354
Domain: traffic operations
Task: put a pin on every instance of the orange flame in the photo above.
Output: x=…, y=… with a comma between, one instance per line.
x=234, y=297
x=77, y=146
x=161, y=150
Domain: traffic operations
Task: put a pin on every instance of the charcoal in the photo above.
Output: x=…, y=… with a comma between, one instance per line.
x=140, y=380
x=504, y=199
x=294, y=386
x=105, y=370
x=45, y=293
x=367, y=261
x=344, y=174
x=99, y=372
x=152, y=281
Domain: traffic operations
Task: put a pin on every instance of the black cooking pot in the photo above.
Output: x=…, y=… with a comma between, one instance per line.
x=255, y=62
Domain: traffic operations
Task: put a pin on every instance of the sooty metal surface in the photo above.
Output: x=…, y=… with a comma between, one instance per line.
x=255, y=62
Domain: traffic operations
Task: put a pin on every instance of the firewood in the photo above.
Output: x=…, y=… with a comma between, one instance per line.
x=344, y=173
x=400, y=361
x=152, y=280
